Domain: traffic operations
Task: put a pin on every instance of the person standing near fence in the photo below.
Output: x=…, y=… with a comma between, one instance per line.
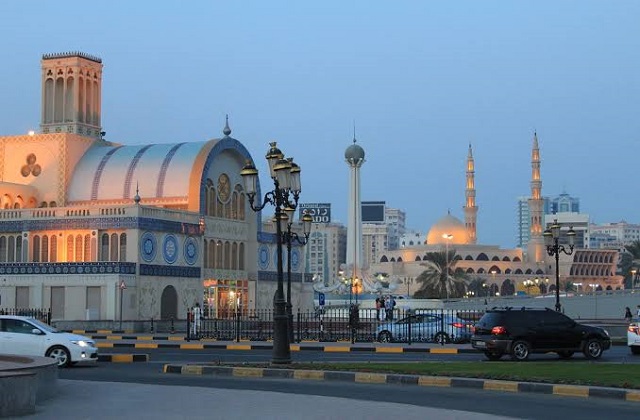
x=196, y=316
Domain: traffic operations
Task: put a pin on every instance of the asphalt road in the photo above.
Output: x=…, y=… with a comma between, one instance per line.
x=617, y=354
x=533, y=406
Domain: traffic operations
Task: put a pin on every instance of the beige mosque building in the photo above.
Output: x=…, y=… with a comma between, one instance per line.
x=90, y=227
x=503, y=271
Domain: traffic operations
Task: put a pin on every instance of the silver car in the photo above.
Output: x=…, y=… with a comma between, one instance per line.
x=426, y=327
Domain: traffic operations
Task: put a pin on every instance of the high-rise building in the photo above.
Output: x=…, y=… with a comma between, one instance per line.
x=564, y=203
x=622, y=233
x=326, y=250
x=395, y=220
x=523, y=222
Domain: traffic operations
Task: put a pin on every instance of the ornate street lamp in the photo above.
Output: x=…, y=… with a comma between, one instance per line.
x=551, y=238
x=286, y=181
x=289, y=237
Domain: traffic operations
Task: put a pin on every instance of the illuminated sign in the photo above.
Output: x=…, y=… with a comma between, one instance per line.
x=321, y=212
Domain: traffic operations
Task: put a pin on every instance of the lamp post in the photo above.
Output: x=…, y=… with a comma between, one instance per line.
x=408, y=281
x=448, y=237
x=594, y=289
x=528, y=283
x=289, y=237
x=551, y=238
x=286, y=182
x=122, y=287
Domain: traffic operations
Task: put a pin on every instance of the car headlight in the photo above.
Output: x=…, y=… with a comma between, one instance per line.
x=81, y=343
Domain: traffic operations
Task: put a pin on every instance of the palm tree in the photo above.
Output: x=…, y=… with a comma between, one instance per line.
x=440, y=279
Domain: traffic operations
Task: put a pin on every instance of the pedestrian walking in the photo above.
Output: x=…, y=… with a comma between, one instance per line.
x=389, y=304
x=196, y=316
x=627, y=314
x=382, y=312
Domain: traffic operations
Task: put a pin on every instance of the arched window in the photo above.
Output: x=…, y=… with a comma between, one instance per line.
x=113, y=247
x=227, y=256
x=480, y=270
x=495, y=258
x=470, y=270
x=234, y=205
x=507, y=271
x=11, y=257
x=35, y=254
x=19, y=249
x=506, y=259
x=529, y=271
x=3, y=248
x=212, y=254
x=399, y=259
x=219, y=254
x=104, y=247
x=417, y=258
x=53, y=249
x=495, y=269
x=44, y=251
x=70, y=252
x=482, y=257
x=205, y=255
x=241, y=256
x=234, y=256
x=468, y=258
x=87, y=248
x=241, y=205
x=123, y=247
x=518, y=271
x=384, y=259
x=79, y=248
x=516, y=259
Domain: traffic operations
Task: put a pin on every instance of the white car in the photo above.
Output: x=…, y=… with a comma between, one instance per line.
x=27, y=336
x=633, y=337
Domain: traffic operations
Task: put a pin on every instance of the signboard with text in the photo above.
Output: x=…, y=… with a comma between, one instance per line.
x=321, y=212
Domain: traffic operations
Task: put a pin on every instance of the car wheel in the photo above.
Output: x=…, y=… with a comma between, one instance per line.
x=384, y=337
x=493, y=356
x=593, y=349
x=441, y=338
x=635, y=349
x=520, y=350
x=60, y=354
x=565, y=354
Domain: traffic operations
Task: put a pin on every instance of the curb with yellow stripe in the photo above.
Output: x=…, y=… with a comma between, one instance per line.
x=293, y=347
x=123, y=358
x=399, y=379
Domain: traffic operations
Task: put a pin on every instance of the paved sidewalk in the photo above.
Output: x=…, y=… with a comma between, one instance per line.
x=109, y=400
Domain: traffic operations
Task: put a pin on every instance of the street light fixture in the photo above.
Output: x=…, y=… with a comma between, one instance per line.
x=634, y=278
x=286, y=182
x=551, y=238
x=448, y=237
x=289, y=237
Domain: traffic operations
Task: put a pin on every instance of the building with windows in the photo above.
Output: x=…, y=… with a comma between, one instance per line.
x=83, y=217
x=395, y=219
x=620, y=233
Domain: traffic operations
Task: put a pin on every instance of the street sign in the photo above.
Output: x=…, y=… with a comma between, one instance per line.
x=321, y=298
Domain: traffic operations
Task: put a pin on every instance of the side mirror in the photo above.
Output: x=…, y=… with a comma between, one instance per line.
x=36, y=331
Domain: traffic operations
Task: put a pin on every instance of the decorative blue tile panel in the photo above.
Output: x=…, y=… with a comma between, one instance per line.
x=169, y=271
x=103, y=267
x=100, y=223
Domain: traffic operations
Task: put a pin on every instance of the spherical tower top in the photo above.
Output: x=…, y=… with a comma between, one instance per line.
x=354, y=153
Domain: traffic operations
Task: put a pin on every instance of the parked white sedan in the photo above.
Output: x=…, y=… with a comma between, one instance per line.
x=633, y=337
x=29, y=337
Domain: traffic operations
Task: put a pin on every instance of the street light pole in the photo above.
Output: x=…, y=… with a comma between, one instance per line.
x=289, y=237
x=551, y=238
x=286, y=181
x=122, y=286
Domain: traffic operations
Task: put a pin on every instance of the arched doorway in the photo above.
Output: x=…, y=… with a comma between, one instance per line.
x=169, y=303
x=507, y=288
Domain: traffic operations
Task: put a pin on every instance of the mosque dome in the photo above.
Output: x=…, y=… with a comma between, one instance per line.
x=448, y=225
x=354, y=152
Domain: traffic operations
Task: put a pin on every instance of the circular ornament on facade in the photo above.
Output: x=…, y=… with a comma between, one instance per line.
x=263, y=257
x=284, y=258
x=170, y=249
x=295, y=259
x=148, y=246
x=190, y=250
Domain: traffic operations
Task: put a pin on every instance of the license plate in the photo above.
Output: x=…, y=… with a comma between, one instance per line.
x=479, y=344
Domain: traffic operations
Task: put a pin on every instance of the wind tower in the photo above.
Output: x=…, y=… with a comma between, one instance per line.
x=354, y=156
x=470, y=208
x=71, y=94
x=535, y=247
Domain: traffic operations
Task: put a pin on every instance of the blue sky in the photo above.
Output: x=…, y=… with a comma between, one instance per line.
x=421, y=79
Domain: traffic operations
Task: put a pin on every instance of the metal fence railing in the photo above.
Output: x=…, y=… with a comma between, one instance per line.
x=43, y=315
x=342, y=324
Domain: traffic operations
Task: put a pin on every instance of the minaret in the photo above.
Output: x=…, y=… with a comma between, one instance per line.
x=354, y=156
x=71, y=94
x=535, y=247
x=470, y=209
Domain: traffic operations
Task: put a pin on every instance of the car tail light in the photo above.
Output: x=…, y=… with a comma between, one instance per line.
x=634, y=329
x=498, y=330
x=458, y=325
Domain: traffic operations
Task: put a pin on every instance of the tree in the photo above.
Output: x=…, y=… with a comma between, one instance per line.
x=440, y=279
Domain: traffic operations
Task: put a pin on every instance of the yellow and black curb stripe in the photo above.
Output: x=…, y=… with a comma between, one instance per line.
x=399, y=379
x=294, y=347
x=123, y=358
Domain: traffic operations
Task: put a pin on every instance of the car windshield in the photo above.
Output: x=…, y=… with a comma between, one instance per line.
x=43, y=326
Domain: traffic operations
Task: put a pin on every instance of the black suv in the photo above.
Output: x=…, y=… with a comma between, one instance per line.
x=521, y=331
